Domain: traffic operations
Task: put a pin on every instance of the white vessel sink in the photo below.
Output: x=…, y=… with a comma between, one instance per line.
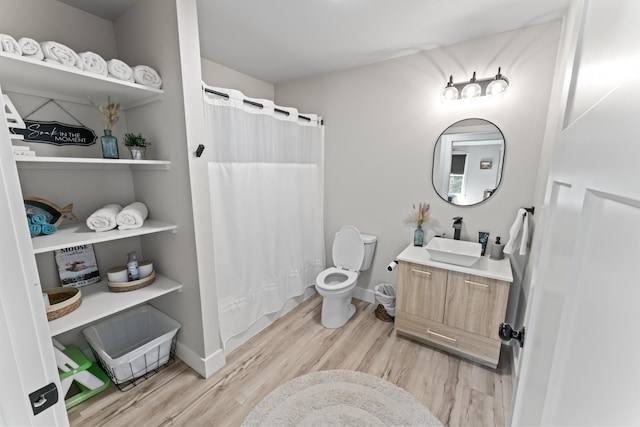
x=456, y=252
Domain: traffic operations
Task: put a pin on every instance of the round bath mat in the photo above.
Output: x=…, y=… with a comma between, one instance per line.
x=339, y=398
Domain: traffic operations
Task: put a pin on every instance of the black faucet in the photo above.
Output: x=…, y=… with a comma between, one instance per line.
x=457, y=226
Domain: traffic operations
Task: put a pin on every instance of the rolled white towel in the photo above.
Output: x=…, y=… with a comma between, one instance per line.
x=9, y=45
x=147, y=76
x=93, y=63
x=120, y=70
x=132, y=216
x=60, y=53
x=31, y=48
x=104, y=219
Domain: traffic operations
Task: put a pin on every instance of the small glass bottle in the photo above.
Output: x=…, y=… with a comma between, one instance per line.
x=109, y=145
x=418, y=236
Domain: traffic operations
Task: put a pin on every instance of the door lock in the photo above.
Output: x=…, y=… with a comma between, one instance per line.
x=507, y=333
x=44, y=398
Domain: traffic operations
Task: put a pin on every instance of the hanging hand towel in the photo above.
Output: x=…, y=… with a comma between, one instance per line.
x=93, y=63
x=31, y=48
x=54, y=51
x=147, y=76
x=132, y=216
x=514, y=232
x=9, y=45
x=120, y=70
x=104, y=219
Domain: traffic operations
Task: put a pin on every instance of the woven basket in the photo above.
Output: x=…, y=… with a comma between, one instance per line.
x=62, y=301
x=133, y=285
x=381, y=313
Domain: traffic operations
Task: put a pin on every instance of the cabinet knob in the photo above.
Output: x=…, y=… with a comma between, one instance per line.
x=507, y=333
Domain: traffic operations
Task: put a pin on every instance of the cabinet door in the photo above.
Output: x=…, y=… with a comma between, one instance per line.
x=476, y=304
x=421, y=291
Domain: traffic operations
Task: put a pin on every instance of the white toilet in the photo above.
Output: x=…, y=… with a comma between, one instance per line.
x=352, y=253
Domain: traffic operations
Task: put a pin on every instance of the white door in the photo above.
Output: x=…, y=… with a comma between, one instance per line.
x=580, y=358
x=26, y=355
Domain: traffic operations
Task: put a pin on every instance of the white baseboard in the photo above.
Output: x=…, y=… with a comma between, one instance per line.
x=366, y=295
x=203, y=366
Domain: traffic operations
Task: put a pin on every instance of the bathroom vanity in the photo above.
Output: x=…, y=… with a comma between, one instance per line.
x=457, y=309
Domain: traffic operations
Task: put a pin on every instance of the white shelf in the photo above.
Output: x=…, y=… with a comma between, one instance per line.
x=44, y=79
x=35, y=162
x=99, y=302
x=80, y=234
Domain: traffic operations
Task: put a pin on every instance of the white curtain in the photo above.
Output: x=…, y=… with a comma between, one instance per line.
x=266, y=184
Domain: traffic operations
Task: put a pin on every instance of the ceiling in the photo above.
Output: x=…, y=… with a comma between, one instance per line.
x=282, y=40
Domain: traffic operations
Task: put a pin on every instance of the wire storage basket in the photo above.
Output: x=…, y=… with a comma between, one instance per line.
x=133, y=345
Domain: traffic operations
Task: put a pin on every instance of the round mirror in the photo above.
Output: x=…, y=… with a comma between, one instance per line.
x=467, y=162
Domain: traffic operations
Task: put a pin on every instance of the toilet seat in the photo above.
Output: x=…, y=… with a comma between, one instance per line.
x=348, y=248
x=346, y=277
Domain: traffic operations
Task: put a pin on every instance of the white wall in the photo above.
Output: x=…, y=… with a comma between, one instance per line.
x=153, y=24
x=218, y=75
x=383, y=120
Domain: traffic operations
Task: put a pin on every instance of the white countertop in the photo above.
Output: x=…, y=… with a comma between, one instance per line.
x=485, y=267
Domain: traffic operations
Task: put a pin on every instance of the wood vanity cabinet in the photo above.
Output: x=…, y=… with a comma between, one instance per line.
x=454, y=311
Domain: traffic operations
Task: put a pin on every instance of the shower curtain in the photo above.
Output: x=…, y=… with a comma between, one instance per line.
x=266, y=189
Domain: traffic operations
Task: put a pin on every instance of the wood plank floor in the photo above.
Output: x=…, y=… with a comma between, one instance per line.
x=458, y=392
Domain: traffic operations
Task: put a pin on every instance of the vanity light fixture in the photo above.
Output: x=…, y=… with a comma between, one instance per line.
x=492, y=86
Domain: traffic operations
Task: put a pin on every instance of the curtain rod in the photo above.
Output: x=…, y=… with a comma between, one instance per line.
x=256, y=104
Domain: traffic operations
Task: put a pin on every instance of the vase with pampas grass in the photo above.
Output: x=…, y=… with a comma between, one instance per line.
x=418, y=216
x=109, y=118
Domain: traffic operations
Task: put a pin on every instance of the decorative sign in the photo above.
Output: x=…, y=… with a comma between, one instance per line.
x=56, y=133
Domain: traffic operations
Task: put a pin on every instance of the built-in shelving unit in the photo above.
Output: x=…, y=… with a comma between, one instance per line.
x=99, y=302
x=45, y=79
x=38, y=78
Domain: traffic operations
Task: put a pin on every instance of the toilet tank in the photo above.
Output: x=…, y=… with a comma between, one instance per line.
x=369, y=247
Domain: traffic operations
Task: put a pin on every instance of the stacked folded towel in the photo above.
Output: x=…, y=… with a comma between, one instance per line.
x=57, y=53
x=104, y=219
x=9, y=45
x=61, y=54
x=120, y=70
x=132, y=216
x=38, y=225
x=93, y=63
x=147, y=76
x=31, y=48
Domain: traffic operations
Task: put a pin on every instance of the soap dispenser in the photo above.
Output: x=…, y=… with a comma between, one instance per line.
x=497, y=250
x=132, y=266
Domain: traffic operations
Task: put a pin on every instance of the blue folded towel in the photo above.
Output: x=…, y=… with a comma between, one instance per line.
x=35, y=229
x=29, y=221
x=48, y=229
x=38, y=219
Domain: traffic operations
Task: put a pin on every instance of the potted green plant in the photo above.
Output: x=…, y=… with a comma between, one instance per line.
x=137, y=145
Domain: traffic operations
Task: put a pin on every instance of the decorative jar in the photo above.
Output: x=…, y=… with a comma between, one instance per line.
x=418, y=236
x=109, y=145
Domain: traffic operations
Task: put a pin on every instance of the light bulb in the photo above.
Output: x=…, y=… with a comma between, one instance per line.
x=471, y=89
x=498, y=86
x=450, y=92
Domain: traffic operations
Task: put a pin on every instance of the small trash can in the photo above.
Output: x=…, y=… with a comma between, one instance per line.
x=385, y=294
